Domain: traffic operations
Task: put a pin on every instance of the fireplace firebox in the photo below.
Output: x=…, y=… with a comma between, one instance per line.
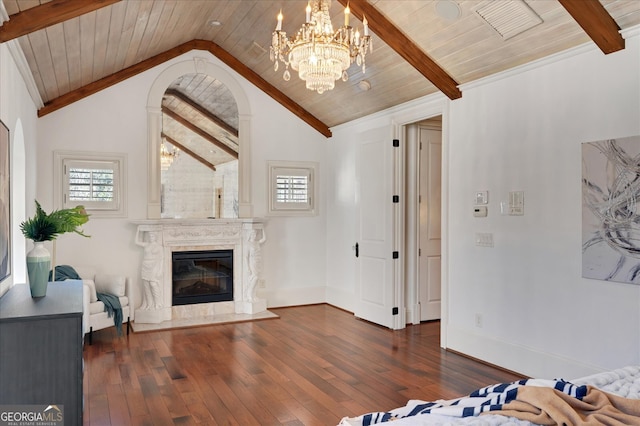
x=202, y=276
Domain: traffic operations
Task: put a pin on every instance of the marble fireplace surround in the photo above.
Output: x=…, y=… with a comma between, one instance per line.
x=160, y=238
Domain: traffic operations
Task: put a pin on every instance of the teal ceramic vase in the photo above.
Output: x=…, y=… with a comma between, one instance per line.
x=38, y=265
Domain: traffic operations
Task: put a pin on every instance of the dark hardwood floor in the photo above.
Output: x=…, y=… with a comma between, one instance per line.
x=312, y=366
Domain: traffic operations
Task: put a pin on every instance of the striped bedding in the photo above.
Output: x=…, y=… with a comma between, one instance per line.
x=479, y=407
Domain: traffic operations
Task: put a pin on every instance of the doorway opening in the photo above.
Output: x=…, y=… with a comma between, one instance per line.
x=423, y=220
x=390, y=294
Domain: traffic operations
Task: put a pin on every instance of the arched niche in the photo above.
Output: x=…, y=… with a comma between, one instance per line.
x=154, y=130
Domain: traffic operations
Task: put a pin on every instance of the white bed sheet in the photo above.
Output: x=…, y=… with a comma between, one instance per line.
x=624, y=382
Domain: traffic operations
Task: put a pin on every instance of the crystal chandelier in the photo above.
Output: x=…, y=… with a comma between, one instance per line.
x=320, y=55
x=166, y=156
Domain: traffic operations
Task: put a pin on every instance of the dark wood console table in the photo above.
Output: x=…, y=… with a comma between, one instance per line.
x=41, y=348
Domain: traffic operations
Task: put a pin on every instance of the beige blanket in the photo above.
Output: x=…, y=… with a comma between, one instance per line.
x=547, y=406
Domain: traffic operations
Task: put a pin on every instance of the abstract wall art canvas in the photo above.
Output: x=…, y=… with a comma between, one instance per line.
x=5, y=209
x=611, y=210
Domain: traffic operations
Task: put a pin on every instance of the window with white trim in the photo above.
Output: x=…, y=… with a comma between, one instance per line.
x=95, y=181
x=292, y=188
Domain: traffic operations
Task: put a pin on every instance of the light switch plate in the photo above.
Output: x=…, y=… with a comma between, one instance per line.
x=482, y=197
x=516, y=203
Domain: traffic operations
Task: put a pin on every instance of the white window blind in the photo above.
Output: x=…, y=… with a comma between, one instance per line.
x=292, y=188
x=92, y=180
x=86, y=184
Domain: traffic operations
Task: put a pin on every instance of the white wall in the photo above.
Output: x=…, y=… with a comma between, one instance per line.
x=520, y=130
x=18, y=113
x=115, y=120
x=524, y=132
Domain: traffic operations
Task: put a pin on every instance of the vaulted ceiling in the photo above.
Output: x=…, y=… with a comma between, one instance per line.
x=74, y=48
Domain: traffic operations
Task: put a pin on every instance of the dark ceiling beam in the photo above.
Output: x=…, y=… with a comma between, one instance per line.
x=47, y=14
x=406, y=48
x=214, y=49
x=596, y=22
x=187, y=151
x=211, y=117
x=200, y=132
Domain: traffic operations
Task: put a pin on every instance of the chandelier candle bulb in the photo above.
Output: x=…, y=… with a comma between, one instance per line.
x=366, y=26
x=308, y=13
x=279, y=26
x=346, y=16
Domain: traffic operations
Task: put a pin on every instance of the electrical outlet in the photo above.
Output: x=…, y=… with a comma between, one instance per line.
x=479, y=320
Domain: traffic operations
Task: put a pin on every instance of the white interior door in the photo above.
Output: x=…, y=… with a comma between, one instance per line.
x=375, y=281
x=429, y=263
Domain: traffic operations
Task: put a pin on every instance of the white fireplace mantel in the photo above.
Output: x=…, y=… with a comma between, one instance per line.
x=160, y=238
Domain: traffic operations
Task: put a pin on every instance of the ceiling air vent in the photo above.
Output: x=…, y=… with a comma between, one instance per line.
x=508, y=17
x=255, y=52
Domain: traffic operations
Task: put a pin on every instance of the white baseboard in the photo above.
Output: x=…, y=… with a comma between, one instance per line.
x=518, y=358
x=293, y=296
x=307, y=296
x=413, y=314
x=340, y=298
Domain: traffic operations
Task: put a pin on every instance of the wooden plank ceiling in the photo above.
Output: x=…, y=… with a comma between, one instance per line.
x=77, y=47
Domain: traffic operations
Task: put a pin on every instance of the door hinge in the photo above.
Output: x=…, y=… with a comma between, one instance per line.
x=419, y=199
x=396, y=198
x=420, y=145
x=419, y=252
x=395, y=254
x=395, y=311
x=396, y=143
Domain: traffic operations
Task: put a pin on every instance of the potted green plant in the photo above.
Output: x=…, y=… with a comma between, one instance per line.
x=47, y=227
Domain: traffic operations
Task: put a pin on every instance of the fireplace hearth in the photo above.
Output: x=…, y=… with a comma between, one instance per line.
x=202, y=276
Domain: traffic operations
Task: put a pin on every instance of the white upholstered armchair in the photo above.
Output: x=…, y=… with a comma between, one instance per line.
x=94, y=315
